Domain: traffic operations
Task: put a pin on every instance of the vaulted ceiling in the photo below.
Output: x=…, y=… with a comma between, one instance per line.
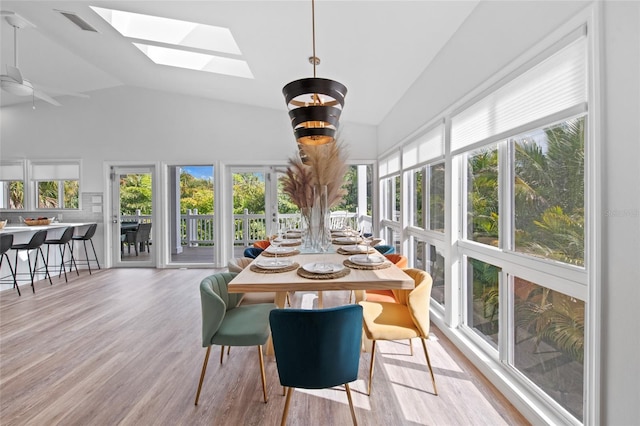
x=376, y=48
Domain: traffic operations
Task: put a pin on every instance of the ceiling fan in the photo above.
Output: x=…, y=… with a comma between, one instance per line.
x=13, y=82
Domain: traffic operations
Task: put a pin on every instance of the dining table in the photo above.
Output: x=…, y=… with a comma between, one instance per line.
x=310, y=272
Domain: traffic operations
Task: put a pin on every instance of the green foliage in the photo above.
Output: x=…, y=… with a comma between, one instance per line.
x=195, y=193
x=248, y=193
x=135, y=194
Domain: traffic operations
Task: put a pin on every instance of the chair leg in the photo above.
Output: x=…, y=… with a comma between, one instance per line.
x=221, y=354
x=411, y=346
x=426, y=354
x=86, y=255
x=46, y=266
x=353, y=411
x=264, y=377
x=61, y=262
x=204, y=370
x=373, y=358
x=320, y=301
x=286, y=406
x=72, y=262
x=13, y=274
x=95, y=255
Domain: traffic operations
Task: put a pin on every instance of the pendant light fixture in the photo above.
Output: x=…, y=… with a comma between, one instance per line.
x=314, y=103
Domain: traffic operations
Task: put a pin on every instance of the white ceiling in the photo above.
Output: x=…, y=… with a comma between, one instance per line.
x=376, y=48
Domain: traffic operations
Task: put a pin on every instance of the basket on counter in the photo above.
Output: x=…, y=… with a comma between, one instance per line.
x=34, y=222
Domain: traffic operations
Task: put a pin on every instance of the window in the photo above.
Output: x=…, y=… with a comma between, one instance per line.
x=482, y=196
x=548, y=192
x=430, y=258
x=549, y=341
x=483, y=299
x=57, y=185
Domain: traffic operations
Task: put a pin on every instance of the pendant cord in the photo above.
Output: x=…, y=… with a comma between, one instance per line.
x=313, y=35
x=15, y=47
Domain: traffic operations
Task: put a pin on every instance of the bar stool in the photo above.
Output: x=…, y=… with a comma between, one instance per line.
x=34, y=244
x=6, y=240
x=63, y=242
x=84, y=238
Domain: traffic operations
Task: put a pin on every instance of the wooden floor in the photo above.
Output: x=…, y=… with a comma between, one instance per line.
x=123, y=346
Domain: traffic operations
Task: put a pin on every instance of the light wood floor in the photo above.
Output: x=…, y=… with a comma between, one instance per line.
x=123, y=346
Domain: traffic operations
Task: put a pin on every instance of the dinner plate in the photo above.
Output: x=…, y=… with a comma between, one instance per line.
x=288, y=241
x=361, y=259
x=273, y=264
x=322, y=267
x=274, y=249
x=356, y=249
x=293, y=234
x=347, y=239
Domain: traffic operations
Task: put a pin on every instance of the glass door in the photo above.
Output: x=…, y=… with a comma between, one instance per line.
x=255, y=205
x=132, y=216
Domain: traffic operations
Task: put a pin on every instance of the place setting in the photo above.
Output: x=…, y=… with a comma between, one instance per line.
x=322, y=270
x=367, y=262
x=280, y=251
x=272, y=266
x=355, y=249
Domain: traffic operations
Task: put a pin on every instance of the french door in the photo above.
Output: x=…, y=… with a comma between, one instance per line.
x=255, y=205
x=132, y=201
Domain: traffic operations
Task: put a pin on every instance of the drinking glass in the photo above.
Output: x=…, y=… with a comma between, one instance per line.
x=276, y=240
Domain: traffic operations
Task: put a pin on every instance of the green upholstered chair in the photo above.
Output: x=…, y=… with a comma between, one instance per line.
x=317, y=349
x=226, y=324
x=406, y=318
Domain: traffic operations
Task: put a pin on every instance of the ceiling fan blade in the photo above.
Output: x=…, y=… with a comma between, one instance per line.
x=15, y=74
x=59, y=92
x=41, y=95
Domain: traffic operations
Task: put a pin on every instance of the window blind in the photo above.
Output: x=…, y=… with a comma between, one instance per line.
x=48, y=172
x=389, y=165
x=9, y=172
x=425, y=148
x=551, y=86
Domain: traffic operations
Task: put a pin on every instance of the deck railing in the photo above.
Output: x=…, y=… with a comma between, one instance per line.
x=198, y=229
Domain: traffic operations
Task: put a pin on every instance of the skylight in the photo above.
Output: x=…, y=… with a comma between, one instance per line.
x=195, y=61
x=154, y=30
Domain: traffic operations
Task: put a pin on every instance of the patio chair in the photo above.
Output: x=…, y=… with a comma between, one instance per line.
x=317, y=349
x=139, y=238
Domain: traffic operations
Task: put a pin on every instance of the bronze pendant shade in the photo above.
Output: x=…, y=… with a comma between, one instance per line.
x=314, y=103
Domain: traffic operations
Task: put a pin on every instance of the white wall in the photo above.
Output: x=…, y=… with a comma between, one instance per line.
x=621, y=215
x=494, y=35
x=135, y=124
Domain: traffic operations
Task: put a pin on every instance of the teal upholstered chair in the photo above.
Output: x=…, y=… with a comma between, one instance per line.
x=385, y=249
x=252, y=252
x=226, y=324
x=317, y=349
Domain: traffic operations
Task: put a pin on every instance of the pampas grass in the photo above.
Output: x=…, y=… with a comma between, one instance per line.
x=325, y=165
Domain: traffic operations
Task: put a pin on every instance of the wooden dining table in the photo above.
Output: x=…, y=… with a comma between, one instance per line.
x=358, y=280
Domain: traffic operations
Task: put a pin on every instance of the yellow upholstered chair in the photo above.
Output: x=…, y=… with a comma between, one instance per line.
x=406, y=319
